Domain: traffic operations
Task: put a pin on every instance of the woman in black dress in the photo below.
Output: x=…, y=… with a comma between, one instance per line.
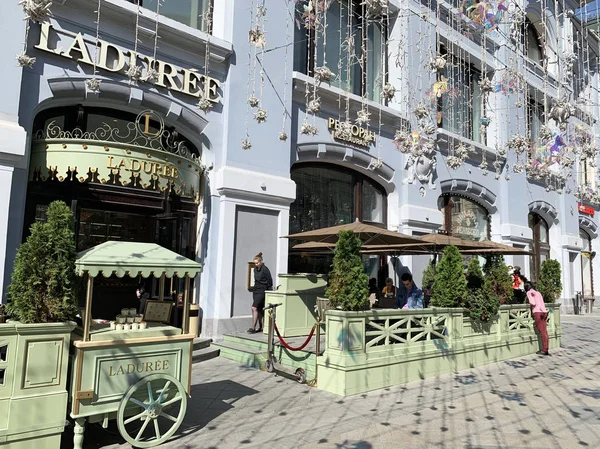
x=262, y=282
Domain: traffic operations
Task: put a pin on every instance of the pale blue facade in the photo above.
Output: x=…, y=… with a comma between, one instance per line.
x=247, y=194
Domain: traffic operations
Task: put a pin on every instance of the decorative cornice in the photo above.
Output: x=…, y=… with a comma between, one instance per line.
x=350, y=157
x=391, y=119
x=545, y=209
x=471, y=190
x=588, y=225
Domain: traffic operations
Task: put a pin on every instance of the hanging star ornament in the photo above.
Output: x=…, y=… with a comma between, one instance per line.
x=24, y=60
x=36, y=10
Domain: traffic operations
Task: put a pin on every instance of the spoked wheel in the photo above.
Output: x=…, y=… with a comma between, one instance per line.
x=152, y=410
x=301, y=375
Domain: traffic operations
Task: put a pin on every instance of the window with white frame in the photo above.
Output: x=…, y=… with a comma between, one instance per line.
x=586, y=173
x=353, y=47
x=192, y=13
x=460, y=109
x=535, y=118
x=533, y=43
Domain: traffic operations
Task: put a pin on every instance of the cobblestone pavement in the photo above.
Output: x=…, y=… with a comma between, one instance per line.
x=531, y=402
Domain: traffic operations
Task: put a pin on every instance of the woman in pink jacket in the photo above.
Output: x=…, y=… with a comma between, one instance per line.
x=540, y=315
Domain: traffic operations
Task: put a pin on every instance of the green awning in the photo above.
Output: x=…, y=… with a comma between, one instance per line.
x=134, y=259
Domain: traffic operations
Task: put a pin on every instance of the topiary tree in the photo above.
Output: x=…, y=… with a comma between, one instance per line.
x=44, y=283
x=549, y=284
x=450, y=287
x=475, y=277
x=348, y=282
x=428, y=275
x=498, y=282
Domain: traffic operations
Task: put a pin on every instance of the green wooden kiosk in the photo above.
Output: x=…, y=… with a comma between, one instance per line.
x=139, y=377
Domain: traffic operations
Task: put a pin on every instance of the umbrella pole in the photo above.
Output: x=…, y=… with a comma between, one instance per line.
x=186, y=304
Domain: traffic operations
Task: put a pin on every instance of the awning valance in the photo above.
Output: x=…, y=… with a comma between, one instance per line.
x=133, y=259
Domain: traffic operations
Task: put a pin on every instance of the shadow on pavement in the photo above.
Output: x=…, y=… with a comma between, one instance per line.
x=208, y=401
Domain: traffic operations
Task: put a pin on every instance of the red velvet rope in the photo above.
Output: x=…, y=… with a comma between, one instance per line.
x=299, y=348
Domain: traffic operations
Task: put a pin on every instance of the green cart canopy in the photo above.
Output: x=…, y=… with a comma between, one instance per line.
x=134, y=259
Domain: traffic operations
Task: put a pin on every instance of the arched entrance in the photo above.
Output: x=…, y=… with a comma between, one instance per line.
x=126, y=177
x=330, y=195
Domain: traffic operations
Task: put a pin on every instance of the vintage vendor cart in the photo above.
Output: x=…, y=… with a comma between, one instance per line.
x=139, y=377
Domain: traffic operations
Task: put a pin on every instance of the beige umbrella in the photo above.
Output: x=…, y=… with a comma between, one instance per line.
x=368, y=234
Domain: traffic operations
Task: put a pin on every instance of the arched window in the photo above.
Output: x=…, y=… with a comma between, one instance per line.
x=465, y=218
x=327, y=195
x=541, y=244
x=587, y=287
x=330, y=196
x=533, y=43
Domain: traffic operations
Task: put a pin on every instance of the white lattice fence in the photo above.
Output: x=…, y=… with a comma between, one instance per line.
x=396, y=330
x=520, y=319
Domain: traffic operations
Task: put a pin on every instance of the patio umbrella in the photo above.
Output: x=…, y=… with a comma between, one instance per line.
x=368, y=234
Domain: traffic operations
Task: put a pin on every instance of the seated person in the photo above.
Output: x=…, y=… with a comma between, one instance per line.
x=410, y=296
x=389, y=291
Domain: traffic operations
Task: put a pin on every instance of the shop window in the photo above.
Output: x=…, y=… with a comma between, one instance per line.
x=359, y=73
x=330, y=196
x=96, y=227
x=459, y=101
x=587, y=286
x=541, y=244
x=465, y=218
x=193, y=13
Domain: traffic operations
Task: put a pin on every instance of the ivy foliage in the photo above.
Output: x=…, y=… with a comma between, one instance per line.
x=450, y=287
x=348, y=282
x=44, y=285
x=550, y=285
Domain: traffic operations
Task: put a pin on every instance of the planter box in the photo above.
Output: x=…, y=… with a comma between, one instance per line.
x=33, y=384
x=379, y=348
x=298, y=297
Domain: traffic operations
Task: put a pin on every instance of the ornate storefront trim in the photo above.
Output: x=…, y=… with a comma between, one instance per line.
x=137, y=156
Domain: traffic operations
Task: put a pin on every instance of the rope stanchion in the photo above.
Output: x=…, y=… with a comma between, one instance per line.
x=291, y=348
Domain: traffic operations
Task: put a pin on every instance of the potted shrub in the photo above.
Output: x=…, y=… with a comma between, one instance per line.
x=348, y=282
x=549, y=284
x=42, y=305
x=450, y=287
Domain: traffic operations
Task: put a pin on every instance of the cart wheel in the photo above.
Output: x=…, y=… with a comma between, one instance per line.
x=301, y=375
x=152, y=410
x=269, y=366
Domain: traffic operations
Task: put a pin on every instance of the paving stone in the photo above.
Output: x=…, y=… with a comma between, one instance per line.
x=533, y=402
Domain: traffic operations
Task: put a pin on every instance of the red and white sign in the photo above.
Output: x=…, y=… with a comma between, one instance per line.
x=583, y=209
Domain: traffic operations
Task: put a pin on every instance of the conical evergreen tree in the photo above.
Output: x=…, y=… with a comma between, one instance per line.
x=348, y=282
x=44, y=283
x=450, y=287
x=550, y=285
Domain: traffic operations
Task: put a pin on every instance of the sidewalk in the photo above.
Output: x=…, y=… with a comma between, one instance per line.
x=531, y=402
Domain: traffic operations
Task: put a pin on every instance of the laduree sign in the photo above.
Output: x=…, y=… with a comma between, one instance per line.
x=113, y=59
x=116, y=164
x=358, y=136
